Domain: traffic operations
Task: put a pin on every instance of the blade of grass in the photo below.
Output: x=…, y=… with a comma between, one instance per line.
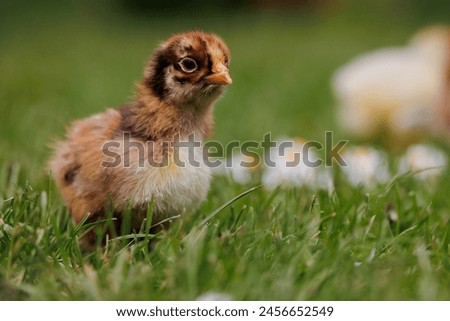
x=234, y=199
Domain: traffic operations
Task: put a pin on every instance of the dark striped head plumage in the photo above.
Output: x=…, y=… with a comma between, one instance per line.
x=189, y=68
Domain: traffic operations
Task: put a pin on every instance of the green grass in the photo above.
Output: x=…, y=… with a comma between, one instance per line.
x=282, y=246
x=65, y=64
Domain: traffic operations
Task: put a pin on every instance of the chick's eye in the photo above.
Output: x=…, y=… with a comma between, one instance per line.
x=188, y=65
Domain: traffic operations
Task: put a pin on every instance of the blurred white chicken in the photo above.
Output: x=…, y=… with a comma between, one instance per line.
x=395, y=92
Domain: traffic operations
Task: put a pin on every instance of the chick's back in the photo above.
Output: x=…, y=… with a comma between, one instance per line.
x=83, y=184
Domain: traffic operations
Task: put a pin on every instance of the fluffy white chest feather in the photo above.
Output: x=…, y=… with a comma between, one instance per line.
x=180, y=184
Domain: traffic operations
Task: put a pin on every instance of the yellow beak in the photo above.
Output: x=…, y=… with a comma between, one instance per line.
x=221, y=78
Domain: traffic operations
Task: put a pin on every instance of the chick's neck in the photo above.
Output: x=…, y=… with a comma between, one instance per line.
x=151, y=118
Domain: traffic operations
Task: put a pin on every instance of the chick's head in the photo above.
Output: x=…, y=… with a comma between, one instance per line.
x=189, y=69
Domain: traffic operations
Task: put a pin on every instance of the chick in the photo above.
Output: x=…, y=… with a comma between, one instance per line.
x=394, y=93
x=129, y=157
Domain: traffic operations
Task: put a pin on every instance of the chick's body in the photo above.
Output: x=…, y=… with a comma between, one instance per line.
x=131, y=155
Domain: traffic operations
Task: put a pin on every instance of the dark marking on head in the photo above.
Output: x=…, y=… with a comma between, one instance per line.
x=204, y=45
x=181, y=80
x=177, y=67
x=209, y=63
x=157, y=81
x=71, y=173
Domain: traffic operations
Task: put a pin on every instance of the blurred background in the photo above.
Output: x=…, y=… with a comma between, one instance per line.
x=60, y=61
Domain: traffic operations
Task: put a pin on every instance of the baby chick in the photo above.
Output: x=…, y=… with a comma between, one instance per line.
x=127, y=157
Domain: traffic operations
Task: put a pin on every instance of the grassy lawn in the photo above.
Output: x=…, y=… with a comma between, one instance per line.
x=58, y=64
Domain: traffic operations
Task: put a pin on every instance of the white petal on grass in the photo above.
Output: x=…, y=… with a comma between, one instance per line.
x=428, y=160
x=365, y=166
x=324, y=179
x=239, y=167
x=214, y=296
x=291, y=168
